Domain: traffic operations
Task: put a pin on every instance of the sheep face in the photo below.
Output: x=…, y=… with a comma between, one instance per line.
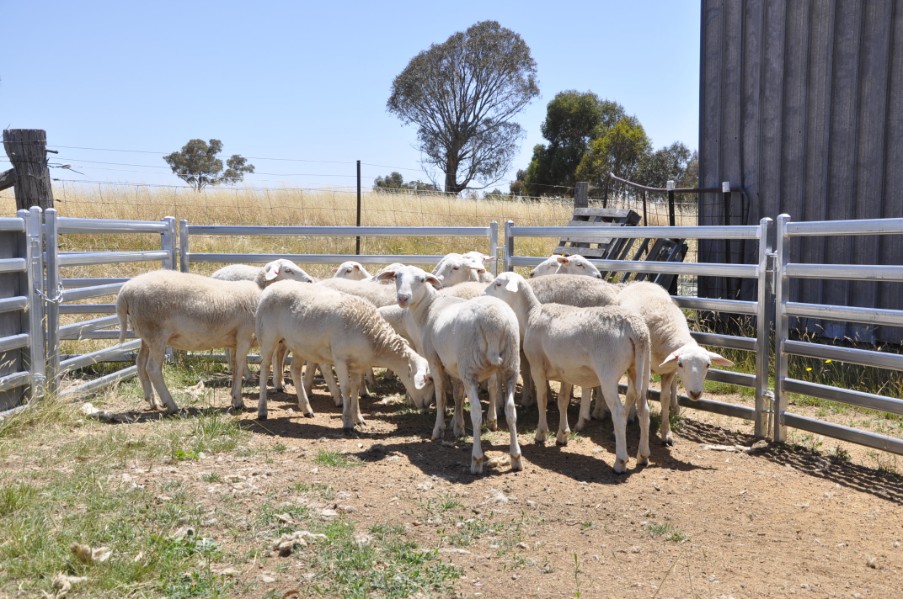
x=411, y=284
x=506, y=286
x=282, y=269
x=691, y=362
x=455, y=268
x=421, y=390
x=351, y=270
x=566, y=265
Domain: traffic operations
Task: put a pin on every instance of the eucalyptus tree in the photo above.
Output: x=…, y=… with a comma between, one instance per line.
x=197, y=164
x=462, y=95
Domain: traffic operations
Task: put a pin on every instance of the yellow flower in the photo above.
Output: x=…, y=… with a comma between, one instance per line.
x=828, y=361
x=808, y=369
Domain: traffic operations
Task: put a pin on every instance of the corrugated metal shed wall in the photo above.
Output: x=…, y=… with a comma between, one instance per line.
x=801, y=103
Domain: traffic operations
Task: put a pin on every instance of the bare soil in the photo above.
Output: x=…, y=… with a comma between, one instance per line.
x=719, y=514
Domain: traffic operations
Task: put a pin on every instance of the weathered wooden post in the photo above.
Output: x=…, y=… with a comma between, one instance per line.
x=581, y=195
x=27, y=150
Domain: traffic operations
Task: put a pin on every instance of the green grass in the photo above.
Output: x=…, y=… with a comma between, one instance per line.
x=667, y=531
x=335, y=459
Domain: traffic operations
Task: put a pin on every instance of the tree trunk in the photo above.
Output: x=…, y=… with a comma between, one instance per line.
x=27, y=150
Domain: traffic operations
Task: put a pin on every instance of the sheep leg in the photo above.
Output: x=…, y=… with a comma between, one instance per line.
x=458, y=414
x=329, y=379
x=541, y=386
x=309, y=373
x=619, y=421
x=675, y=407
x=511, y=420
x=365, y=391
x=439, y=389
x=242, y=346
x=476, y=419
x=564, y=399
x=349, y=383
x=668, y=387
x=303, y=400
x=599, y=409
x=155, y=373
x=141, y=365
x=586, y=398
x=278, y=367
x=492, y=422
x=266, y=356
x=637, y=396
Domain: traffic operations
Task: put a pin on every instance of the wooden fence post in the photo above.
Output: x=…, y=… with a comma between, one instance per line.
x=581, y=195
x=27, y=150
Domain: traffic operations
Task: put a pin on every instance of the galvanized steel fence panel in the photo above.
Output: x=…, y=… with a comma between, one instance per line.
x=785, y=346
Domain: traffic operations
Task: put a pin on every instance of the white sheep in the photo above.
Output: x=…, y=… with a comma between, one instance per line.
x=566, y=265
x=188, y=312
x=456, y=268
x=470, y=340
x=352, y=270
x=277, y=270
x=372, y=291
x=481, y=259
x=324, y=326
x=465, y=290
x=584, y=346
x=674, y=351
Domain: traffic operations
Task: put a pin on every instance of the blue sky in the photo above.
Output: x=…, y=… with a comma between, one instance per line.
x=300, y=88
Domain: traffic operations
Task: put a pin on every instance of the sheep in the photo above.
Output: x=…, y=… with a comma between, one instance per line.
x=584, y=346
x=566, y=265
x=470, y=340
x=674, y=351
x=324, y=326
x=465, y=290
x=352, y=270
x=481, y=259
x=455, y=268
x=378, y=295
x=189, y=312
x=269, y=273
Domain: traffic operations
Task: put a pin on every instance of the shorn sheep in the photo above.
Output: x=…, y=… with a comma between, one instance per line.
x=589, y=347
x=351, y=270
x=456, y=268
x=277, y=270
x=470, y=340
x=324, y=326
x=189, y=312
x=674, y=351
x=566, y=265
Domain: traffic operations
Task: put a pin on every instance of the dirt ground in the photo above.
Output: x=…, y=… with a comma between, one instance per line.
x=716, y=515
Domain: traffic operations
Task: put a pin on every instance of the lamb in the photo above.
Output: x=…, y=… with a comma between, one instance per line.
x=584, y=346
x=566, y=265
x=456, y=268
x=470, y=340
x=352, y=270
x=465, y=290
x=270, y=272
x=189, y=312
x=674, y=351
x=325, y=326
x=481, y=259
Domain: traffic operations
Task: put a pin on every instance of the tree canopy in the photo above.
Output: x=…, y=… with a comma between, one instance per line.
x=197, y=164
x=589, y=138
x=462, y=95
x=394, y=182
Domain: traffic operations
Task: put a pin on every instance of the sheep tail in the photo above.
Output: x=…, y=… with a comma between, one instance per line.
x=122, y=311
x=642, y=366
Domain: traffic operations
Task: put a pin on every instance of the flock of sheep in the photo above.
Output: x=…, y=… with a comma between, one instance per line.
x=449, y=330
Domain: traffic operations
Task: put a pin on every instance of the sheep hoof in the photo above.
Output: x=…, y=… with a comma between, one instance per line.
x=620, y=467
x=516, y=463
x=668, y=442
x=561, y=442
x=540, y=442
x=261, y=416
x=642, y=460
x=349, y=431
x=476, y=466
x=492, y=425
x=308, y=414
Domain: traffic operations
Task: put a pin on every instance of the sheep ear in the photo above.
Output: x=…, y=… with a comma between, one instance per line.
x=271, y=273
x=512, y=285
x=672, y=357
x=562, y=259
x=389, y=275
x=719, y=359
x=434, y=281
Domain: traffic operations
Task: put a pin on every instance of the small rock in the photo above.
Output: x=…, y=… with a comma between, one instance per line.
x=267, y=579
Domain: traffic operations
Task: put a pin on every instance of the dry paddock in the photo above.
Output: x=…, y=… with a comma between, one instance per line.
x=717, y=515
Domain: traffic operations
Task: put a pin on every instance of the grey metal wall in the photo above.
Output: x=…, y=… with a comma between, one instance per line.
x=11, y=285
x=801, y=102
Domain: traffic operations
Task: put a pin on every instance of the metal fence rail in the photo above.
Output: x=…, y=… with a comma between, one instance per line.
x=29, y=306
x=785, y=347
x=186, y=230
x=64, y=291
